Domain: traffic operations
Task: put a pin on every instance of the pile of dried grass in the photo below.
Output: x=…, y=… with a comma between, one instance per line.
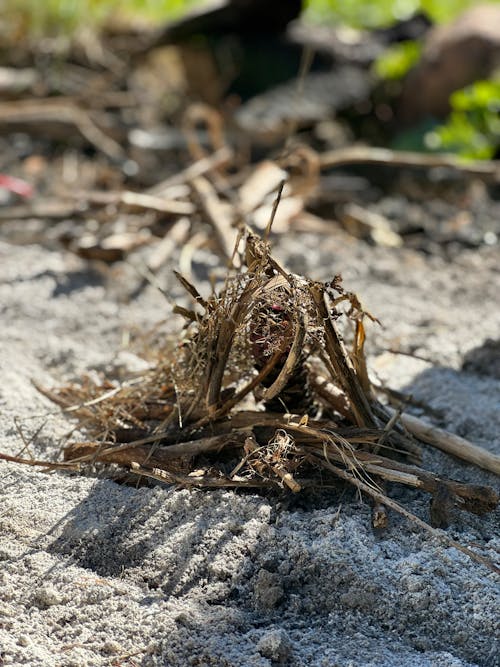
x=262, y=391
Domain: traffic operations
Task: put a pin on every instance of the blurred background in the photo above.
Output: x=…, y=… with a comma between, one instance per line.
x=118, y=95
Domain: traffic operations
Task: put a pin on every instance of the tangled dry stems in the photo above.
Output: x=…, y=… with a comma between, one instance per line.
x=262, y=391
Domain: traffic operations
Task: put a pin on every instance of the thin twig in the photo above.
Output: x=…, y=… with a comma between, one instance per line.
x=65, y=465
x=384, y=156
x=380, y=497
x=205, y=481
x=276, y=203
x=217, y=214
x=33, y=113
x=221, y=157
x=451, y=443
x=141, y=453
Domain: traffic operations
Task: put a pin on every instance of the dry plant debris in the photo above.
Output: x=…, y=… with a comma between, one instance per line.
x=98, y=138
x=263, y=391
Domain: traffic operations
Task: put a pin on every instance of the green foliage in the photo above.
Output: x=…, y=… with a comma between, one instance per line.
x=398, y=59
x=155, y=10
x=53, y=18
x=473, y=126
x=65, y=17
x=442, y=11
x=362, y=14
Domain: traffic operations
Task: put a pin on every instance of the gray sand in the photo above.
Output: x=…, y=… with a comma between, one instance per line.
x=93, y=573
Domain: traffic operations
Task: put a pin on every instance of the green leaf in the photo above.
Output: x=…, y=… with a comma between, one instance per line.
x=395, y=62
x=473, y=127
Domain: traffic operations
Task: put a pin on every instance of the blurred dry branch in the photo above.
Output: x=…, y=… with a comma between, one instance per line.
x=65, y=116
x=489, y=169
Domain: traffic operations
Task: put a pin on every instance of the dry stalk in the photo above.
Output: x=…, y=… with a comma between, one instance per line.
x=341, y=363
x=61, y=111
x=488, y=169
x=385, y=500
x=452, y=444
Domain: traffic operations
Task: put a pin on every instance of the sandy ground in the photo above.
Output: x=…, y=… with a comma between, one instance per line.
x=93, y=573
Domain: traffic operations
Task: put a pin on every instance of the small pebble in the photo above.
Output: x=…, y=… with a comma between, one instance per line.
x=275, y=645
x=111, y=647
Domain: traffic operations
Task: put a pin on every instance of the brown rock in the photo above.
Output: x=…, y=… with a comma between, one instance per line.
x=455, y=55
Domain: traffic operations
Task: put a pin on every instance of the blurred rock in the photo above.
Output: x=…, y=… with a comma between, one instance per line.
x=322, y=94
x=455, y=55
